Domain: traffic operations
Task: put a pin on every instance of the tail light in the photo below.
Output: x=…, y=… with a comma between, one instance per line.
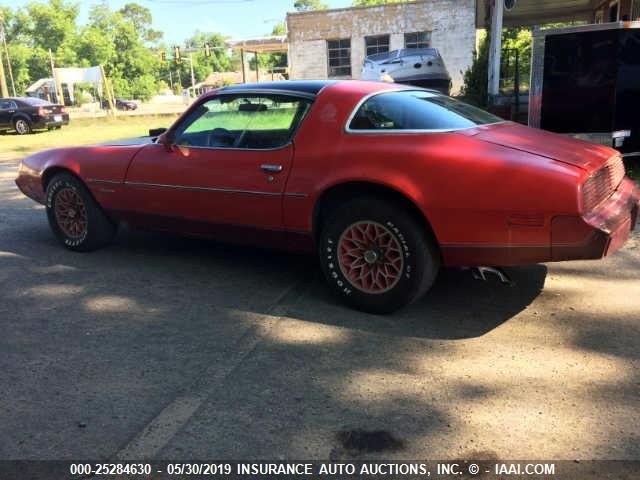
x=602, y=183
x=63, y=109
x=43, y=111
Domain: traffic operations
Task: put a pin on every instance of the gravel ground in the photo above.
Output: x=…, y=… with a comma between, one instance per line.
x=164, y=347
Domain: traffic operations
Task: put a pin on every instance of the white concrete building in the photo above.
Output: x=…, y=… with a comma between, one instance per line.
x=333, y=43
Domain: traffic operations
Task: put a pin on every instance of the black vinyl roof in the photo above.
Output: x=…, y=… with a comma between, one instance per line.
x=303, y=86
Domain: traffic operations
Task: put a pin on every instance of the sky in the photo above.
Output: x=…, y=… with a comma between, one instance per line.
x=180, y=19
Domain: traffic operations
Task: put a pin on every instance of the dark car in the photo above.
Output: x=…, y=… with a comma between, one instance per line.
x=121, y=104
x=25, y=114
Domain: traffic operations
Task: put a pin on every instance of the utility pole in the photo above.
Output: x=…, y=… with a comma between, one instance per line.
x=171, y=80
x=495, y=47
x=193, y=78
x=57, y=86
x=6, y=53
x=3, y=82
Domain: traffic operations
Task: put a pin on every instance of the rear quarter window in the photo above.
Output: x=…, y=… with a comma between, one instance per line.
x=417, y=110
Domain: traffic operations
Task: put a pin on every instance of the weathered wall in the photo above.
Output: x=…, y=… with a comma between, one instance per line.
x=451, y=22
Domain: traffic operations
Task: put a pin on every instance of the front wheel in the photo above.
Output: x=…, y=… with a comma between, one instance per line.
x=376, y=256
x=75, y=217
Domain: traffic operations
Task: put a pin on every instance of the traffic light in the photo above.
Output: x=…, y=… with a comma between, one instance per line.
x=207, y=50
x=176, y=55
x=163, y=56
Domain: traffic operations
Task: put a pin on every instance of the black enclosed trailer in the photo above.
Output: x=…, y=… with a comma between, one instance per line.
x=585, y=81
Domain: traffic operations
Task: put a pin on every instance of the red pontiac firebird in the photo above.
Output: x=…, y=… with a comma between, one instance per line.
x=385, y=182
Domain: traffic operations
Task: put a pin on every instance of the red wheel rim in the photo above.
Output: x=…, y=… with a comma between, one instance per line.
x=370, y=257
x=70, y=212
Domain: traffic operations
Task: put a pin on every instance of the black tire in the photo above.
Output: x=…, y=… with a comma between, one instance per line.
x=415, y=256
x=22, y=126
x=91, y=230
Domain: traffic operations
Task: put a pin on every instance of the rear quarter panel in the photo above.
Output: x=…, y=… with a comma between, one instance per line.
x=469, y=190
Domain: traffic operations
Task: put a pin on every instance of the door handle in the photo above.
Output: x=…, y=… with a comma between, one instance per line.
x=271, y=168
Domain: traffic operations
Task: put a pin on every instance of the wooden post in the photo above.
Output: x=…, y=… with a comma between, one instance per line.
x=6, y=54
x=57, y=85
x=244, y=80
x=107, y=88
x=495, y=48
x=3, y=81
x=257, y=68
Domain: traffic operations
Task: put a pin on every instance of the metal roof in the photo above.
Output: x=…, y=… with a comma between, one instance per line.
x=271, y=43
x=538, y=12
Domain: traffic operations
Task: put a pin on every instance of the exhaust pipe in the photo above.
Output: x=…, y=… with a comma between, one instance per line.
x=479, y=273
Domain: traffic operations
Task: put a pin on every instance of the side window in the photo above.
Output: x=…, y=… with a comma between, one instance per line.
x=243, y=122
x=417, y=110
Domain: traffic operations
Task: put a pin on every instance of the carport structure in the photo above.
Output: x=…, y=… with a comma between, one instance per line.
x=522, y=13
x=258, y=45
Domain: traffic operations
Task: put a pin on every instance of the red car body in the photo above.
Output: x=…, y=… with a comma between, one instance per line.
x=496, y=195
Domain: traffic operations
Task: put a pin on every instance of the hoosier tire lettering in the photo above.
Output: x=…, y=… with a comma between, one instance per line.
x=376, y=256
x=75, y=217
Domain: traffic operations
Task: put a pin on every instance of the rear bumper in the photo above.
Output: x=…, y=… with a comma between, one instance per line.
x=599, y=233
x=50, y=121
x=596, y=235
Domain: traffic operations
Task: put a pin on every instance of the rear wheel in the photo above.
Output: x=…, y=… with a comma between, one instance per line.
x=376, y=256
x=75, y=217
x=22, y=126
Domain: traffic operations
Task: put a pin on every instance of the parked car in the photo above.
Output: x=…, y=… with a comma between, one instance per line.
x=26, y=114
x=121, y=104
x=387, y=183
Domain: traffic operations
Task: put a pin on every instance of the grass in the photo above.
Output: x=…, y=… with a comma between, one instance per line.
x=80, y=132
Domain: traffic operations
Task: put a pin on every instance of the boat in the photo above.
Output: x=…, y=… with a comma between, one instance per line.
x=422, y=67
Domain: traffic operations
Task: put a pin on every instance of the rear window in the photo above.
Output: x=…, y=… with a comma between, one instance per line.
x=34, y=102
x=418, y=110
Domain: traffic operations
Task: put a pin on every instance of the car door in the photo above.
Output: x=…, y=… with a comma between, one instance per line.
x=226, y=165
x=5, y=113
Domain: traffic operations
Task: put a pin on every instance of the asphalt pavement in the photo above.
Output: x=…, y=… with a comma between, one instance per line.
x=161, y=347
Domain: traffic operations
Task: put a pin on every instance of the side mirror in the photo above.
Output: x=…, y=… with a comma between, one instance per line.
x=167, y=140
x=155, y=132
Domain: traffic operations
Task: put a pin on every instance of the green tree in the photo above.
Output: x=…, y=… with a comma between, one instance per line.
x=117, y=41
x=474, y=89
x=141, y=19
x=279, y=29
x=475, y=84
x=309, y=5
x=33, y=30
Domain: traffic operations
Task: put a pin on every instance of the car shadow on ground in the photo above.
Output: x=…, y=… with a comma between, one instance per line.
x=112, y=337
x=456, y=307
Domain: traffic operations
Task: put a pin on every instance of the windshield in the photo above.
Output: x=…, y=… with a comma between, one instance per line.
x=418, y=110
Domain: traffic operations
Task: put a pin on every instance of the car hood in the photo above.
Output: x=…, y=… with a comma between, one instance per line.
x=539, y=142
